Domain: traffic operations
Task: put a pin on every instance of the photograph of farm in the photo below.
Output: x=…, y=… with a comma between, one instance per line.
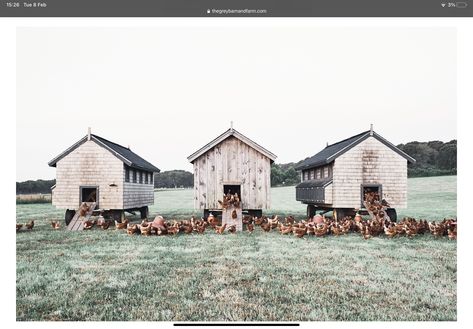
x=153, y=194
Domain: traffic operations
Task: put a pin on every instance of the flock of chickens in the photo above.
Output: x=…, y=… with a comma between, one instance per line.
x=379, y=223
x=317, y=226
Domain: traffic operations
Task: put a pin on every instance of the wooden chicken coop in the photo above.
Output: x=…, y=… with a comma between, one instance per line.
x=338, y=177
x=109, y=177
x=232, y=163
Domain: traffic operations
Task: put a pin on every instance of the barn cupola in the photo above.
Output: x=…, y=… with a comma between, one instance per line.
x=89, y=133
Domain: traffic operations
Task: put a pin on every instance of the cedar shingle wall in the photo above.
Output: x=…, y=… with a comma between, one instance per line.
x=89, y=164
x=370, y=162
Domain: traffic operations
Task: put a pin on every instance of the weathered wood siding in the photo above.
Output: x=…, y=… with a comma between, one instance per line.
x=370, y=162
x=232, y=162
x=89, y=164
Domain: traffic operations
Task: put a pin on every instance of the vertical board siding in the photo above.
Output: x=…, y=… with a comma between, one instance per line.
x=89, y=165
x=370, y=162
x=232, y=162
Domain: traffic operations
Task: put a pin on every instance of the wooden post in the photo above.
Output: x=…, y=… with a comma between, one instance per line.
x=229, y=220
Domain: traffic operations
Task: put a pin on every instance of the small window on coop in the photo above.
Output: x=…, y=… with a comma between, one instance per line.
x=127, y=174
x=232, y=189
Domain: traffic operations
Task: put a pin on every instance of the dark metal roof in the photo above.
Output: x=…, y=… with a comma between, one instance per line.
x=123, y=153
x=322, y=182
x=331, y=152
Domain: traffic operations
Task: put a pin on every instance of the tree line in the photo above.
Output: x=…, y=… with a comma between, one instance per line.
x=434, y=158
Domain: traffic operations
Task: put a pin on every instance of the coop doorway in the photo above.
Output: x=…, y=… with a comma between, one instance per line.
x=232, y=189
x=368, y=188
x=89, y=194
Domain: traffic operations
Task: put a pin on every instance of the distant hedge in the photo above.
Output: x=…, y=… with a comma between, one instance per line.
x=174, y=179
x=434, y=158
x=35, y=186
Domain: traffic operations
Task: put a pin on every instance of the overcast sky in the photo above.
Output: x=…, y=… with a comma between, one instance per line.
x=168, y=91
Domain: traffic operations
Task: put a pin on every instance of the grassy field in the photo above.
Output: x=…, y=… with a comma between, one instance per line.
x=107, y=275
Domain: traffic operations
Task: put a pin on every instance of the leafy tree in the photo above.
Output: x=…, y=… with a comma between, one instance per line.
x=174, y=179
x=447, y=158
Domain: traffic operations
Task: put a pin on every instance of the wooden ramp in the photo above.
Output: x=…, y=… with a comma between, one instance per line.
x=228, y=219
x=77, y=221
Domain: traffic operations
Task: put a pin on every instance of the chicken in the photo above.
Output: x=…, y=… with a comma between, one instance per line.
x=289, y=219
x=145, y=229
x=299, y=232
x=410, y=229
x=285, y=229
x=250, y=227
x=247, y=220
x=422, y=226
x=266, y=227
x=273, y=222
x=201, y=228
x=18, y=227
x=131, y=229
x=173, y=230
x=452, y=233
x=366, y=233
x=212, y=220
x=83, y=209
x=232, y=229
x=321, y=230
x=30, y=225
x=259, y=221
x=105, y=225
x=88, y=224
x=437, y=229
x=336, y=229
x=390, y=231
x=399, y=228
x=121, y=226
x=220, y=229
x=188, y=229
x=310, y=229
x=55, y=225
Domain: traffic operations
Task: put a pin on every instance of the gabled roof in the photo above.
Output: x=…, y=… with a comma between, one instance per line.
x=331, y=152
x=123, y=153
x=225, y=135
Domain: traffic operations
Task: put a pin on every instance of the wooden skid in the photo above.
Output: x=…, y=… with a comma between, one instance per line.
x=227, y=218
x=77, y=221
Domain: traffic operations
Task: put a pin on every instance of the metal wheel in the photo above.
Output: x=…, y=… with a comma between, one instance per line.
x=144, y=212
x=391, y=212
x=311, y=210
x=69, y=215
x=117, y=215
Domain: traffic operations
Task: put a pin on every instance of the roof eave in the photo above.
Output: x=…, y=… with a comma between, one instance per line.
x=394, y=148
x=225, y=135
x=53, y=162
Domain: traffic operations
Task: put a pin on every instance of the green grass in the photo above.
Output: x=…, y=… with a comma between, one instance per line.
x=107, y=275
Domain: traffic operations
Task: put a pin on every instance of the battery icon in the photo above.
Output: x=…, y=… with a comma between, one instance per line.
x=461, y=4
